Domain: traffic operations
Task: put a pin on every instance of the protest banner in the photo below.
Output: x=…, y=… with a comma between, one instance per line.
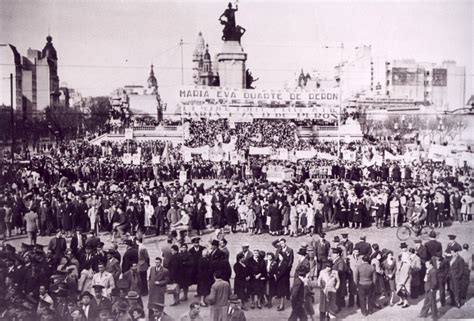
x=127, y=158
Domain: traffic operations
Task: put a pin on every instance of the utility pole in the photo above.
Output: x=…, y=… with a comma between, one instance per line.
x=340, y=103
x=182, y=67
x=12, y=119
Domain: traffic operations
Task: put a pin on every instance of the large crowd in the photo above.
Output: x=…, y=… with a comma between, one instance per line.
x=77, y=193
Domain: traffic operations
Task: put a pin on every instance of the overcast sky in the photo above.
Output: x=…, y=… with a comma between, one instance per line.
x=103, y=45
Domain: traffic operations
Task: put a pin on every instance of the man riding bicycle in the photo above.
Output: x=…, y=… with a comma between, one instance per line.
x=418, y=216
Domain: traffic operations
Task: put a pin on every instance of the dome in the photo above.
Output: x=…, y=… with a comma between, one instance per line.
x=49, y=51
x=152, y=82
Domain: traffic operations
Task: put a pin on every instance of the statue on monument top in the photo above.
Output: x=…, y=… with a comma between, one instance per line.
x=231, y=31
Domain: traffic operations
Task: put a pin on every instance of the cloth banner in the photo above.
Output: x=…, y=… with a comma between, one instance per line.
x=127, y=158
x=411, y=156
x=305, y=154
x=229, y=146
x=234, y=157
x=215, y=154
x=390, y=156
x=326, y=156
x=155, y=159
x=187, y=155
x=136, y=159
x=128, y=133
x=439, y=153
x=260, y=150
x=368, y=162
x=282, y=154
x=349, y=155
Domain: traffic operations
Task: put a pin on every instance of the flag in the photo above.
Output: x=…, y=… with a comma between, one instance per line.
x=165, y=155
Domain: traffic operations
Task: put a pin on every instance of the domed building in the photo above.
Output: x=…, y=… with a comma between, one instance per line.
x=204, y=73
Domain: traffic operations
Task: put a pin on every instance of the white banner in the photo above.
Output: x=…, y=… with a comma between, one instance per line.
x=305, y=154
x=326, y=156
x=136, y=158
x=349, y=155
x=128, y=133
x=155, y=159
x=220, y=95
x=127, y=158
x=260, y=150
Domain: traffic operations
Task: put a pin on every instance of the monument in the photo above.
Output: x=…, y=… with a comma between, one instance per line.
x=231, y=59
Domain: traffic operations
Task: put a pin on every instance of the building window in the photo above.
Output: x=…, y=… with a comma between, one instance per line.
x=427, y=72
x=388, y=82
x=388, y=93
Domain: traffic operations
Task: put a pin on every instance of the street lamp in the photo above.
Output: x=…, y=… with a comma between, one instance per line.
x=341, y=63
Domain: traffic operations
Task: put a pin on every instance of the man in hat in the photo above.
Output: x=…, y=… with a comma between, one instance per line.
x=339, y=264
x=363, y=246
x=298, y=311
x=348, y=245
x=456, y=269
x=87, y=260
x=196, y=254
x=336, y=243
x=101, y=302
x=245, y=251
x=453, y=245
x=160, y=217
x=158, y=279
x=433, y=247
x=235, y=310
x=285, y=250
x=134, y=300
x=104, y=278
x=87, y=305
x=322, y=248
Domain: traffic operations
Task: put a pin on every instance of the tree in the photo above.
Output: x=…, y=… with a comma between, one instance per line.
x=63, y=121
x=96, y=113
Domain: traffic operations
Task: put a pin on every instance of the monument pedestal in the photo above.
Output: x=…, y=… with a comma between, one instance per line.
x=232, y=65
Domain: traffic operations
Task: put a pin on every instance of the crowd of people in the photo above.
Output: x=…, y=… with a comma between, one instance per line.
x=77, y=192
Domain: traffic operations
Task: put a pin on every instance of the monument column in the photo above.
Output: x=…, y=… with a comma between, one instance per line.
x=232, y=57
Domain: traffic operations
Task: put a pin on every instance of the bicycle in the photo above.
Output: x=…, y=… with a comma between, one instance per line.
x=404, y=232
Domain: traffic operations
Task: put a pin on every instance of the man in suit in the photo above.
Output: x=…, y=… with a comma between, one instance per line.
x=322, y=248
x=101, y=302
x=433, y=247
x=130, y=256
x=104, y=278
x=247, y=254
x=87, y=306
x=297, y=298
x=339, y=265
x=364, y=279
x=347, y=244
x=467, y=257
x=87, y=259
x=157, y=281
x=196, y=254
x=431, y=284
x=453, y=245
x=113, y=265
x=456, y=269
x=363, y=246
x=57, y=245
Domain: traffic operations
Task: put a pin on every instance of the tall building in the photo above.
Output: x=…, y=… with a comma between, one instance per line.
x=205, y=73
x=36, y=78
x=440, y=85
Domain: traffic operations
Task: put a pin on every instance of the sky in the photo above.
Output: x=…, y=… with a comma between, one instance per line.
x=103, y=45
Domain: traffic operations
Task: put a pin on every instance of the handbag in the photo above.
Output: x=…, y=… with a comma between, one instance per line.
x=402, y=292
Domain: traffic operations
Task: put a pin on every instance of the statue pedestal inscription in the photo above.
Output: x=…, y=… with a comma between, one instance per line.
x=232, y=65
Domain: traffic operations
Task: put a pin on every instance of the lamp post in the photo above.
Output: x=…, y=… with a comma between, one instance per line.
x=341, y=63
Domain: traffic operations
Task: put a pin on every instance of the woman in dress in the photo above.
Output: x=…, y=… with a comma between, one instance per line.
x=271, y=265
x=205, y=278
x=379, y=287
x=404, y=277
x=285, y=212
x=389, y=267
x=257, y=280
x=282, y=278
x=241, y=279
x=293, y=220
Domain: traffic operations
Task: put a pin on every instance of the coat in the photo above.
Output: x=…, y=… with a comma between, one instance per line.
x=157, y=285
x=404, y=276
x=240, y=280
x=431, y=280
x=258, y=276
x=129, y=257
x=297, y=294
x=185, y=269
x=282, y=279
x=204, y=277
x=434, y=248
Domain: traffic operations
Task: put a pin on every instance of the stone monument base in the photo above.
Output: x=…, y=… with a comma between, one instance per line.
x=232, y=60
